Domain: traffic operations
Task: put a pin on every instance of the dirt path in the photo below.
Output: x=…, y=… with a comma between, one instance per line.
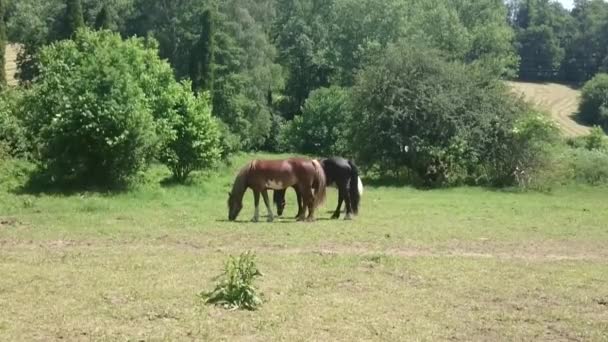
x=559, y=100
x=545, y=251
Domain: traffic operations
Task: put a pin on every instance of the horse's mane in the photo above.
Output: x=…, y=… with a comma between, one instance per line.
x=240, y=182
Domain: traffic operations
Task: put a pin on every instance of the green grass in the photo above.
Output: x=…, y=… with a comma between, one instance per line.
x=458, y=264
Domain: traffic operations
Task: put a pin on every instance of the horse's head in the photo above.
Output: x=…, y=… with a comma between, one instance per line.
x=234, y=206
x=279, y=200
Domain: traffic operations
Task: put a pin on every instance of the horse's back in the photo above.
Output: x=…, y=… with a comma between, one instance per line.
x=337, y=169
x=281, y=174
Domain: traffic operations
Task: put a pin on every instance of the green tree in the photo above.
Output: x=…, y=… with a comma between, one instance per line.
x=586, y=52
x=73, y=19
x=201, y=62
x=302, y=37
x=2, y=44
x=321, y=128
x=593, y=108
x=174, y=24
x=103, y=20
x=195, y=142
x=97, y=112
x=445, y=122
x=540, y=52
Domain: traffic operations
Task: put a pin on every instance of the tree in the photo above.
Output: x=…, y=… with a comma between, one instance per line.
x=321, y=128
x=541, y=54
x=302, y=37
x=98, y=112
x=2, y=44
x=73, y=19
x=201, y=63
x=593, y=108
x=103, y=20
x=195, y=142
x=445, y=122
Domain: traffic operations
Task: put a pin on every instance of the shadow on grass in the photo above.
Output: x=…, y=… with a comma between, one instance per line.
x=40, y=183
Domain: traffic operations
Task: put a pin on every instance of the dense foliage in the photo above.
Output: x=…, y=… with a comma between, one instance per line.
x=195, y=142
x=594, y=101
x=422, y=77
x=13, y=142
x=91, y=113
x=445, y=122
x=557, y=44
x=321, y=129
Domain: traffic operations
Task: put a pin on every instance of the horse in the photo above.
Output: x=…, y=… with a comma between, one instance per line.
x=342, y=173
x=261, y=175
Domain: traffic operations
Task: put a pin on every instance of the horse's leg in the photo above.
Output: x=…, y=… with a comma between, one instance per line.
x=303, y=196
x=256, y=201
x=301, y=210
x=349, y=208
x=336, y=214
x=309, y=201
x=268, y=207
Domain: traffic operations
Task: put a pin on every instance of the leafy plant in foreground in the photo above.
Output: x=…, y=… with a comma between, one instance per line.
x=236, y=290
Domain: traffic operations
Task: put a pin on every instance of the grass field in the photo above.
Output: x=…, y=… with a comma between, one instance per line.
x=559, y=100
x=12, y=50
x=460, y=264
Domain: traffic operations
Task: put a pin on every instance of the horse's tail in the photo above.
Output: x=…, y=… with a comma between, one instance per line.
x=355, y=187
x=320, y=184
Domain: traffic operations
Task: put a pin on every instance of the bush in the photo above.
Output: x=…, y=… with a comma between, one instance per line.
x=236, y=289
x=593, y=108
x=595, y=140
x=12, y=134
x=320, y=129
x=195, y=143
x=96, y=112
x=445, y=122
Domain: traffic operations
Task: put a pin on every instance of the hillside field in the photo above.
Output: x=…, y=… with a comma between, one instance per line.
x=559, y=100
x=464, y=264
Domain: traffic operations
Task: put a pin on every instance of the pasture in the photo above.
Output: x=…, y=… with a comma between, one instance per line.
x=458, y=264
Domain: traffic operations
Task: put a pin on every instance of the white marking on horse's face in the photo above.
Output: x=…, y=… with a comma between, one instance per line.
x=274, y=185
x=360, y=186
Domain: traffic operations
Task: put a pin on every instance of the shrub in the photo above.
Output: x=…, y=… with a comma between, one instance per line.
x=236, y=290
x=593, y=108
x=12, y=133
x=195, y=143
x=93, y=107
x=595, y=140
x=588, y=166
x=320, y=129
x=445, y=122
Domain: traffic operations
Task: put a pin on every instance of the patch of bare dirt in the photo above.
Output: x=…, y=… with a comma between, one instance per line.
x=9, y=222
x=541, y=251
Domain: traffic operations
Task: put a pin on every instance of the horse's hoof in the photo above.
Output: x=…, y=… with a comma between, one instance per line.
x=347, y=218
x=335, y=217
x=310, y=219
x=270, y=219
x=254, y=220
x=300, y=219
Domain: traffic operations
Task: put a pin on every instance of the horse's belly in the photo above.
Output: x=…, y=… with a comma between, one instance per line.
x=275, y=185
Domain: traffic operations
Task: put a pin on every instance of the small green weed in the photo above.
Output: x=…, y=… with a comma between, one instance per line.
x=236, y=290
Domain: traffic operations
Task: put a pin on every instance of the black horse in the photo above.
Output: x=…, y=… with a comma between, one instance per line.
x=341, y=173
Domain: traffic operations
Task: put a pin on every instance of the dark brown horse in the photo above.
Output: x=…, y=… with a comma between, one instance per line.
x=339, y=172
x=262, y=175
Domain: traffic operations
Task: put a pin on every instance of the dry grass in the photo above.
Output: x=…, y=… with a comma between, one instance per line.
x=12, y=50
x=559, y=100
x=461, y=264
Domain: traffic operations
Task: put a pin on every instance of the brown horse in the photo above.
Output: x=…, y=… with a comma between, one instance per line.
x=261, y=175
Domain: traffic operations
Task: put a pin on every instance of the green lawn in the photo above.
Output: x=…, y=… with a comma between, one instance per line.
x=460, y=264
